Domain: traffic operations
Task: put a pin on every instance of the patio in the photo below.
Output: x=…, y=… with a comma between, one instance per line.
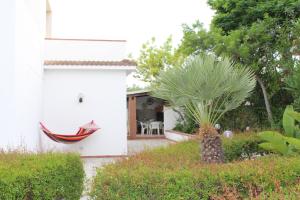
x=145, y=115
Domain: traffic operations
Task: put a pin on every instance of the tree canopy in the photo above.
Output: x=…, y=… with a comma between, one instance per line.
x=261, y=35
x=154, y=58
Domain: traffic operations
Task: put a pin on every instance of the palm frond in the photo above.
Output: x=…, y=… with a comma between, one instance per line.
x=205, y=86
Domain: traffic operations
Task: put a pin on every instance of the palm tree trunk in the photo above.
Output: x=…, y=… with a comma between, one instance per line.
x=267, y=103
x=211, y=146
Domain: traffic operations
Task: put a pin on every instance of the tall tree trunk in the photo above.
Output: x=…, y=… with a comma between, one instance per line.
x=211, y=146
x=267, y=103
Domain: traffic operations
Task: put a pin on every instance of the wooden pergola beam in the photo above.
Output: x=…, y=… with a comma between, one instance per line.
x=132, y=116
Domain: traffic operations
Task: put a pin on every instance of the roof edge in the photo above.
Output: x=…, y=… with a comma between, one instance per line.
x=124, y=62
x=91, y=40
x=141, y=92
x=78, y=67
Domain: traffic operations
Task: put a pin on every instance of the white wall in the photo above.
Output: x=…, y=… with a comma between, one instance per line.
x=104, y=101
x=21, y=38
x=30, y=33
x=170, y=118
x=85, y=50
x=7, y=65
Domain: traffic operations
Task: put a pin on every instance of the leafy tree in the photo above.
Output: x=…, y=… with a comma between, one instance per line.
x=258, y=34
x=207, y=88
x=155, y=58
x=293, y=85
x=134, y=87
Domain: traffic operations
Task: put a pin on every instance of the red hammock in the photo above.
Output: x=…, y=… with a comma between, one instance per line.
x=83, y=132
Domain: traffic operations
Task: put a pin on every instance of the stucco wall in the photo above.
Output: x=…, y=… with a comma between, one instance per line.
x=21, y=49
x=30, y=33
x=7, y=65
x=170, y=118
x=104, y=100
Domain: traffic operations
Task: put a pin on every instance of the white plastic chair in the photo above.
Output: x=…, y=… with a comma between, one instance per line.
x=144, y=126
x=155, y=126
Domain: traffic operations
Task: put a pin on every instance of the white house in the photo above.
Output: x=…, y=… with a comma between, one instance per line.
x=85, y=80
x=65, y=83
x=42, y=80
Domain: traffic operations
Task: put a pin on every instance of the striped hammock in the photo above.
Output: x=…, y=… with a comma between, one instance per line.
x=83, y=132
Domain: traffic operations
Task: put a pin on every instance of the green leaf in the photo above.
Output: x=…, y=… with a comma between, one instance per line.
x=294, y=142
x=275, y=147
x=267, y=146
x=272, y=136
x=297, y=132
x=297, y=135
x=276, y=142
x=294, y=115
x=288, y=121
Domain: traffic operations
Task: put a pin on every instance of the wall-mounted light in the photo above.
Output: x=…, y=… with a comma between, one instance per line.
x=80, y=98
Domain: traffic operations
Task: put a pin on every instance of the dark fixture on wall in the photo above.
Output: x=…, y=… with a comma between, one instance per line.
x=80, y=98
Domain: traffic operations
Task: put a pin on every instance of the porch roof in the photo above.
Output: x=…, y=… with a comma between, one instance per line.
x=137, y=93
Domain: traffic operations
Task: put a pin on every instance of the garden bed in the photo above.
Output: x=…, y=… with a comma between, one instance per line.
x=40, y=176
x=175, y=172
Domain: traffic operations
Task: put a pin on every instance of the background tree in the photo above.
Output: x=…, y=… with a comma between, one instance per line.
x=154, y=58
x=293, y=85
x=258, y=34
x=134, y=87
x=207, y=88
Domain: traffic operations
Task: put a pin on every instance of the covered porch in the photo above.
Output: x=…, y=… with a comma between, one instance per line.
x=145, y=115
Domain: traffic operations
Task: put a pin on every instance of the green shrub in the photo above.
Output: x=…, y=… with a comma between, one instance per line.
x=290, y=193
x=243, y=116
x=242, y=146
x=40, y=176
x=174, y=172
x=243, y=179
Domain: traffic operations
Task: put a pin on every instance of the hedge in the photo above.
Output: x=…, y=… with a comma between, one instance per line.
x=174, y=172
x=242, y=146
x=48, y=176
x=290, y=193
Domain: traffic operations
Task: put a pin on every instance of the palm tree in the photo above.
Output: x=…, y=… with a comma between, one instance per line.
x=207, y=88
